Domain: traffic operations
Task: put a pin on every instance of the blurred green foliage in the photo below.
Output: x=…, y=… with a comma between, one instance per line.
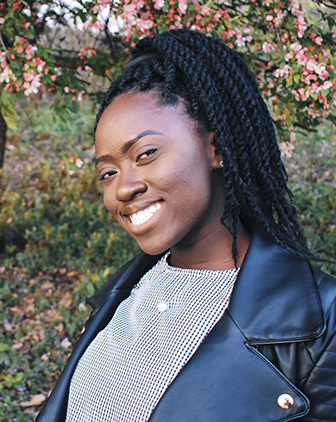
x=54, y=215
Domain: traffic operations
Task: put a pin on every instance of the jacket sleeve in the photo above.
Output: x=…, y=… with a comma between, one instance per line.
x=319, y=384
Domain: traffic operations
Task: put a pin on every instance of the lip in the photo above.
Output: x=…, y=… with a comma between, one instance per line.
x=148, y=224
x=135, y=208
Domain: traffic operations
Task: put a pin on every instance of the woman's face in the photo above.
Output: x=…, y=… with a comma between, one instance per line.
x=158, y=174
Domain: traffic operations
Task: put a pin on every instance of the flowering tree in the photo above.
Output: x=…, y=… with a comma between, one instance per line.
x=289, y=46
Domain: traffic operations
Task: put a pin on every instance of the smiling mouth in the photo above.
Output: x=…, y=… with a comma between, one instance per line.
x=144, y=215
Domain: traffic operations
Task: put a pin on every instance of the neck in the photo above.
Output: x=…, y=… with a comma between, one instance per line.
x=212, y=252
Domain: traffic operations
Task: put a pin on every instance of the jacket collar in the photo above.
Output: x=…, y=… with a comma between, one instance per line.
x=275, y=298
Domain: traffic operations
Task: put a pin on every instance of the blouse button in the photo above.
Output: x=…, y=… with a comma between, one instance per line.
x=162, y=307
x=285, y=401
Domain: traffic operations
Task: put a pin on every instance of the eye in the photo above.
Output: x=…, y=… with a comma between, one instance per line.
x=145, y=154
x=107, y=175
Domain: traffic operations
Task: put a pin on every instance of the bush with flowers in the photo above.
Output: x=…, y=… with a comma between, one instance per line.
x=289, y=45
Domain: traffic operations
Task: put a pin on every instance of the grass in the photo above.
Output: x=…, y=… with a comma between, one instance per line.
x=58, y=244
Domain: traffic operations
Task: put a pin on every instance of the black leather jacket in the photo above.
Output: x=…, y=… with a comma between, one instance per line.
x=272, y=357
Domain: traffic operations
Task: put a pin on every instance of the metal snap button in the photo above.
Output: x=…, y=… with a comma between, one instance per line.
x=285, y=401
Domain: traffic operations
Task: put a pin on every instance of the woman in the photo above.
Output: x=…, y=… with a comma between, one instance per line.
x=221, y=318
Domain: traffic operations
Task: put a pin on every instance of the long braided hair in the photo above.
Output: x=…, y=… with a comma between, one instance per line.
x=221, y=93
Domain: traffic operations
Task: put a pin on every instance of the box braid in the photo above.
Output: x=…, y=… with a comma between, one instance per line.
x=221, y=93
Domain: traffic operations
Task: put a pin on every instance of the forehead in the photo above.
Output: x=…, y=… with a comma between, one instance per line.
x=132, y=113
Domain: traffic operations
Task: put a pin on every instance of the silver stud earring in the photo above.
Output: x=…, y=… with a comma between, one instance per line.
x=221, y=164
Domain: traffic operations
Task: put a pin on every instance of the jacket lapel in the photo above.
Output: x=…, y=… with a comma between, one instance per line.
x=228, y=380
x=275, y=298
x=274, y=301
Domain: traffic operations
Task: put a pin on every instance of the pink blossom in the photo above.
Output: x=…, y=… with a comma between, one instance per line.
x=303, y=93
x=289, y=56
x=28, y=76
x=20, y=50
x=66, y=89
x=320, y=70
x=279, y=17
x=327, y=85
x=39, y=63
x=285, y=71
x=288, y=147
x=79, y=163
x=301, y=25
x=183, y=5
x=6, y=75
x=267, y=47
x=158, y=4
x=80, y=96
x=104, y=3
x=312, y=111
x=299, y=96
x=319, y=40
x=53, y=78
x=30, y=51
x=205, y=10
x=310, y=78
x=144, y=23
x=296, y=47
x=240, y=41
x=311, y=64
x=32, y=86
x=97, y=25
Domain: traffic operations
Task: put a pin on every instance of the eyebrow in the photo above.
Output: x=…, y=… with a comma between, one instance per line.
x=128, y=145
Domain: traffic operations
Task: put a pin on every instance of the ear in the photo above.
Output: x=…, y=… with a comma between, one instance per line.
x=215, y=156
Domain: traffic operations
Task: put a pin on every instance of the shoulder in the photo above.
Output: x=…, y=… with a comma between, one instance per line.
x=319, y=382
x=326, y=285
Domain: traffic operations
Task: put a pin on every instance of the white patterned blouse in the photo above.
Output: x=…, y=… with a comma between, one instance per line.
x=152, y=335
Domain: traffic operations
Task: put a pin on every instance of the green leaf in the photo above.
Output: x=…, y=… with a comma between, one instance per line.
x=289, y=121
x=4, y=347
x=10, y=116
x=297, y=78
x=13, y=380
x=289, y=80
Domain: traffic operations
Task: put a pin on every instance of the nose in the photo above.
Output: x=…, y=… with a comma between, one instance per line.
x=130, y=184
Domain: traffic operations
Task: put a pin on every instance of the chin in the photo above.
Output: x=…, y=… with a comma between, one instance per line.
x=150, y=250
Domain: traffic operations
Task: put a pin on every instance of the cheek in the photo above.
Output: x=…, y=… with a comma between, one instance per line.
x=109, y=201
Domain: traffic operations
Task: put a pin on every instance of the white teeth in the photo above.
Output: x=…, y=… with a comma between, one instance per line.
x=144, y=215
